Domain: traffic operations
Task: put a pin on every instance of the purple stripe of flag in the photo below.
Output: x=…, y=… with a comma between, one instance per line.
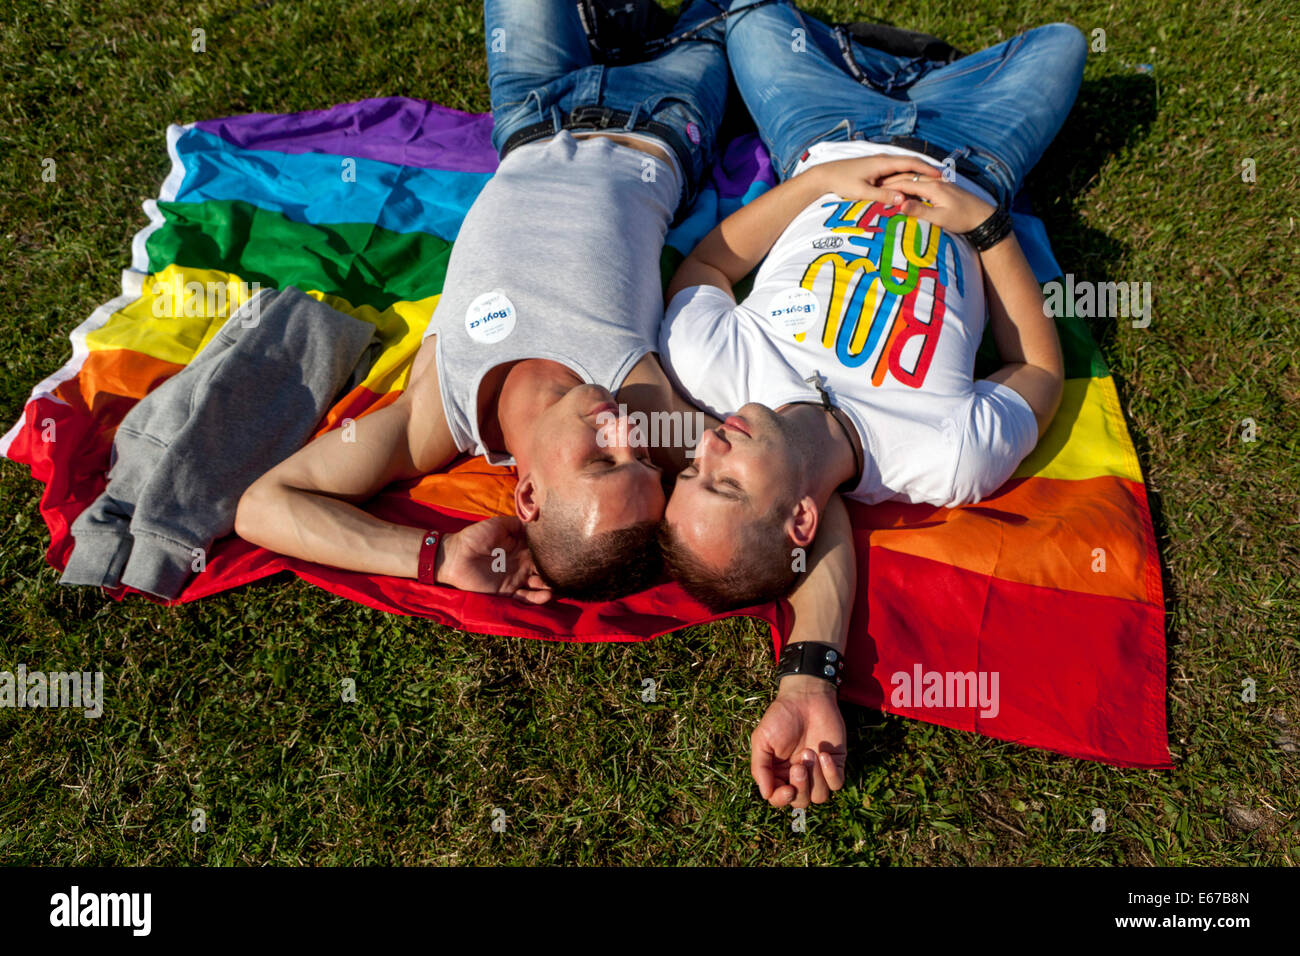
x=744, y=162
x=391, y=129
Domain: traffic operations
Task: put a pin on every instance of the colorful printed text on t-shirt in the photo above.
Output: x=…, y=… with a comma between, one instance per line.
x=855, y=322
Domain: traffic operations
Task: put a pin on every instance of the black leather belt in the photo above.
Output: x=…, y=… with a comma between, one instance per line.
x=961, y=164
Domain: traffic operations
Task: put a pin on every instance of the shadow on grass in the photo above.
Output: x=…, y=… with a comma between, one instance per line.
x=1111, y=114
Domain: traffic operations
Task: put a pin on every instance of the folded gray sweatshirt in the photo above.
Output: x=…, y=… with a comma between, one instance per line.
x=185, y=452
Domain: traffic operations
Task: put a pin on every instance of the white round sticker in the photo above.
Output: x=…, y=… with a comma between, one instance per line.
x=490, y=317
x=794, y=311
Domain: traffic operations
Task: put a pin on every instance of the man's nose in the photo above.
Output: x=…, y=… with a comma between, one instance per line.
x=711, y=444
x=619, y=437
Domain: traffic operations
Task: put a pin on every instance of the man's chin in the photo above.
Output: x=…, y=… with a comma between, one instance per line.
x=594, y=522
x=762, y=421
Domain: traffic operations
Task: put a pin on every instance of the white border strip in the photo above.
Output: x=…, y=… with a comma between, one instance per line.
x=132, y=288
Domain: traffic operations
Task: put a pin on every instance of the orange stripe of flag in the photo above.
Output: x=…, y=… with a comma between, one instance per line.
x=112, y=380
x=1083, y=535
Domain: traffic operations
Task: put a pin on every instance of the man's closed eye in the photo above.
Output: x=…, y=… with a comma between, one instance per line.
x=727, y=488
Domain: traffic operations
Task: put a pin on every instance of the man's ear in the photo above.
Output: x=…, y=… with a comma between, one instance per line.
x=527, y=498
x=801, y=526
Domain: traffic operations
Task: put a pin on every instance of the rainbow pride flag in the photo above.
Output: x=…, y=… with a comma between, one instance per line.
x=1042, y=605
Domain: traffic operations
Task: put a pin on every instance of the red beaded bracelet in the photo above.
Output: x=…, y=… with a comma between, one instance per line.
x=429, y=556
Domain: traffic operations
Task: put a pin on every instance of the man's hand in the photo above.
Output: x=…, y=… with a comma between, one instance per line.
x=491, y=557
x=738, y=243
x=797, y=751
x=946, y=205
x=871, y=177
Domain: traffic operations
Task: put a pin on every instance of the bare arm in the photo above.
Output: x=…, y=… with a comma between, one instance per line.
x=1026, y=337
x=739, y=243
x=304, y=507
x=798, y=749
x=823, y=600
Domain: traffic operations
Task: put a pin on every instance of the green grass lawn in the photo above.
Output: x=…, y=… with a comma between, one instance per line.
x=231, y=705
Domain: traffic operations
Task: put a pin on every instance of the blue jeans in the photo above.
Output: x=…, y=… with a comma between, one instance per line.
x=997, y=109
x=540, y=68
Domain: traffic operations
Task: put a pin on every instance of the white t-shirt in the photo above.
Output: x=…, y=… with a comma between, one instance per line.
x=901, y=354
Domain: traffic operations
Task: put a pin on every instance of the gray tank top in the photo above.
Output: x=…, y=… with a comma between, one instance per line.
x=558, y=258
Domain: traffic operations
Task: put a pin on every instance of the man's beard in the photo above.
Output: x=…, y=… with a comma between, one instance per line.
x=801, y=447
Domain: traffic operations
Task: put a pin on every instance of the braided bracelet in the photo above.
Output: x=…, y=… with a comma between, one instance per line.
x=991, y=231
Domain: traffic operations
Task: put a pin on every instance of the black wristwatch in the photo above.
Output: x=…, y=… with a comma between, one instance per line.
x=812, y=658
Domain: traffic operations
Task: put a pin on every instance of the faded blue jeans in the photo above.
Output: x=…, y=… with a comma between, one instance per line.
x=540, y=69
x=996, y=110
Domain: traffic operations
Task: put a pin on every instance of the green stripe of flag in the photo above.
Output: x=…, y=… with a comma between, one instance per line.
x=361, y=262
